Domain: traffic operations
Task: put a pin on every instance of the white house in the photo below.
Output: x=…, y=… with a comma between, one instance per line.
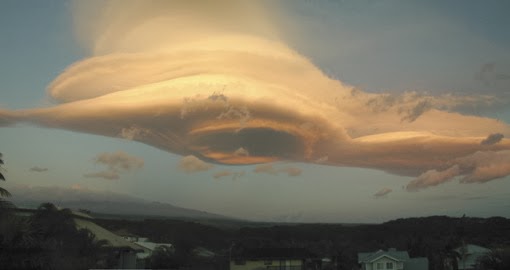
x=469, y=255
x=391, y=260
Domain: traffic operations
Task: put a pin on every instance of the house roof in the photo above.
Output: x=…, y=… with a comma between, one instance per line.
x=364, y=257
x=101, y=233
x=275, y=253
x=151, y=245
x=473, y=249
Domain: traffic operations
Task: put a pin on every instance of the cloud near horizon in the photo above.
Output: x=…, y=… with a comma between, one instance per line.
x=206, y=89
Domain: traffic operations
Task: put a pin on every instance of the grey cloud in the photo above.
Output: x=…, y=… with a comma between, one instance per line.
x=119, y=161
x=492, y=139
x=412, y=105
x=480, y=167
x=190, y=164
x=476, y=198
x=383, y=192
x=134, y=133
x=485, y=70
x=265, y=168
x=489, y=75
x=226, y=173
x=108, y=175
x=270, y=169
x=416, y=111
x=116, y=163
x=323, y=159
x=38, y=169
x=433, y=178
x=292, y=171
x=218, y=97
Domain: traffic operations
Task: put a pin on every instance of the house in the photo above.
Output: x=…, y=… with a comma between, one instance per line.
x=469, y=255
x=391, y=260
x=274, y=259
x=147, y=246
x=125, y=251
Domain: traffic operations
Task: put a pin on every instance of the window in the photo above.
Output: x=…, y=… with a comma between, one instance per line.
x=380, y=265
x=389, y=265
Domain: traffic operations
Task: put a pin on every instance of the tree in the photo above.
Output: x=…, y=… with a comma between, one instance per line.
x=4, y=204
x=3, y=192
x=496, y=260
x=64, y=245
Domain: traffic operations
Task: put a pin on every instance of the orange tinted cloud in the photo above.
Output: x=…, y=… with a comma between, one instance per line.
x=178, y=76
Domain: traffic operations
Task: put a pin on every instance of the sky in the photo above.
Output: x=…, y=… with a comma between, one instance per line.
x=301, y=111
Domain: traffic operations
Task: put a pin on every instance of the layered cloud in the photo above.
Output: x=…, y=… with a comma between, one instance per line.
x=184, y=77
x=116, y=163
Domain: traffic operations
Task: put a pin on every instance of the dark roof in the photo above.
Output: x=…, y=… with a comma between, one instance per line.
x=274, y=253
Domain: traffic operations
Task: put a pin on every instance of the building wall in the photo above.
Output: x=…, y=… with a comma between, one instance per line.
x=384, y=261
x=253, y=265
x=127, y=260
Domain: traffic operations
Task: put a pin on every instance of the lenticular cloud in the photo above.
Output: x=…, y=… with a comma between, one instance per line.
x=207, y=78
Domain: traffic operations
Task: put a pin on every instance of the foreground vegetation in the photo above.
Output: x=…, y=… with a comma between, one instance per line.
x=432, y=237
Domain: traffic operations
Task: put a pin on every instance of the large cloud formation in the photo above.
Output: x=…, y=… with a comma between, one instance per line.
x=207, y=78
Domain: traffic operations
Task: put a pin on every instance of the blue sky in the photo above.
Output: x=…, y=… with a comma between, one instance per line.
x=433, y=48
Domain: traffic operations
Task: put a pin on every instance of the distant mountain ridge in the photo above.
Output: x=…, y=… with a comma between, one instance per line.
x=102, y=202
